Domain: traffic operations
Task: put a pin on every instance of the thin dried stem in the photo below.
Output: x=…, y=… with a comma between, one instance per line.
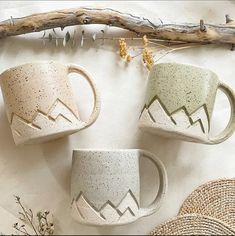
x=26, y=214
x=174, y=49
x=21, y=231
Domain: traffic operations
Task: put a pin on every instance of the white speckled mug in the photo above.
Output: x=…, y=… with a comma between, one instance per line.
x=39, y=101
x=105, y=186
x=180, y=100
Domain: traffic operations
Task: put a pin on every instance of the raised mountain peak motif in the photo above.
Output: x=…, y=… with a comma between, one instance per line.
x=59, y=118
x=128, y=202
x=126, y=210
x=180, y=120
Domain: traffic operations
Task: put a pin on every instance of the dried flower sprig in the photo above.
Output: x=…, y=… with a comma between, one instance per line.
x=152, y=50
x=147, y=54
x=45, y=226
x=148, y=58
x=145, y=41
x=123, y=50
x=42, y=225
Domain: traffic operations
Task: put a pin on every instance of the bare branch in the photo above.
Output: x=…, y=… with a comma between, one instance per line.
x=187, y=32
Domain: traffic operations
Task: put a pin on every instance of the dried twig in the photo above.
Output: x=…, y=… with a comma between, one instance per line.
x=27, y=214
x=187, y=32
x=43, y=225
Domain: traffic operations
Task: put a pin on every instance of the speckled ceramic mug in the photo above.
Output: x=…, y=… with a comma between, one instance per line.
x=39, y=101
x=105, y=186
x=180, y=100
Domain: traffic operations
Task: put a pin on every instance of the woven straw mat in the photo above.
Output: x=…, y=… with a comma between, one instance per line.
x=215, y=199
x=193, y=225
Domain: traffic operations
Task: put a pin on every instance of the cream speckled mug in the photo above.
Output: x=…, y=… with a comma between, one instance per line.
x=105, y=186
x=180, y=100
x=39, y=101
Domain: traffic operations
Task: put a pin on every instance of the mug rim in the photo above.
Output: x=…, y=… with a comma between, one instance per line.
x=28, y=63
x=103, y=150
x=186, y=65
x=106, y=150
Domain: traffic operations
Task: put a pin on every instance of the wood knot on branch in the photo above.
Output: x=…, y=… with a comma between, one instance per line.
x=202, y=26
x=228, y=19
x=12, y=21
x=87, y=20
x=232, y=47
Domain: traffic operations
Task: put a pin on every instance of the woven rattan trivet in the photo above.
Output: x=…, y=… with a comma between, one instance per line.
x=193, y=225
x=215, y=199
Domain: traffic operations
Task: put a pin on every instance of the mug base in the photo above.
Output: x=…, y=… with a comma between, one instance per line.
x=46, y=138
x=172, y=133
x=84, y=222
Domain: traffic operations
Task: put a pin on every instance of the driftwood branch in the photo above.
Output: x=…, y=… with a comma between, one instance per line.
x=187, y=32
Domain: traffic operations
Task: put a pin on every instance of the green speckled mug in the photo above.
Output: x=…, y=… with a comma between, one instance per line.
x=179, y=103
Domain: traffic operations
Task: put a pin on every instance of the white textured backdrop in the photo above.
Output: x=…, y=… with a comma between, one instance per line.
x=40, y=174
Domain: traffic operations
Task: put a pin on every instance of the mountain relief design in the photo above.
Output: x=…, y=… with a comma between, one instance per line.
x=126, y=211
x=59, y=118
x=195, y=124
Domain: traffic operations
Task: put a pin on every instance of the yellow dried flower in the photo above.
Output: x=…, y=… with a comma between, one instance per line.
x=145, y=40
x=148, y=58
x=128, y=58
x=122, y=48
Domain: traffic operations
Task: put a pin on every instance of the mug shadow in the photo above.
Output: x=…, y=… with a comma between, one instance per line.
x=107, y=230
x=6, y=139
x=58, y=156
x=167, y=150
x=19, y=164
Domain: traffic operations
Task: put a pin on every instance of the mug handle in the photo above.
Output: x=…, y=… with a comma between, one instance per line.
x=154, y=206
x=96, y=106
x=228, y=131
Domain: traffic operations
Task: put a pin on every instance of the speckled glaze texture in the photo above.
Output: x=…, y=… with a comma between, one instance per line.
x=105, y=186
x=178, y=85
x=179, y=103
x=39, y=102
